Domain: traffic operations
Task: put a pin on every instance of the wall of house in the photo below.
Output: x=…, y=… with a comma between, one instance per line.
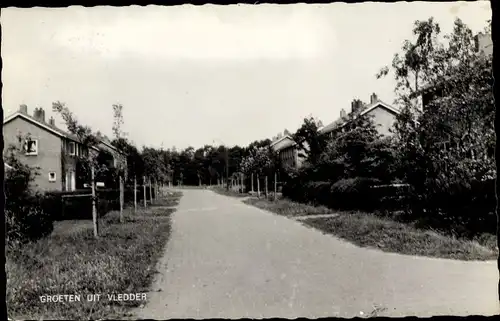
x=49, y=151
x=383, y=119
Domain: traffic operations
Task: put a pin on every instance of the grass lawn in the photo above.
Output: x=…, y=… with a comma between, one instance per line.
x=369, y=230
x=71, y=261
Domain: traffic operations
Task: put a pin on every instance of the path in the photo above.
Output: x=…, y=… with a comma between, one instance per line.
x=230, y=260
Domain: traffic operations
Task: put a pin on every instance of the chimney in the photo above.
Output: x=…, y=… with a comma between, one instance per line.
x=39, y=114
x=373, y=98
x=23, y=109
x=343, y=114
x=52, y=122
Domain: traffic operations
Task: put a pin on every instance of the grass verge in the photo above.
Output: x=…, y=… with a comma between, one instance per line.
x=369, y=230
x=72, y=261
x=230, y=192
x=286, y=207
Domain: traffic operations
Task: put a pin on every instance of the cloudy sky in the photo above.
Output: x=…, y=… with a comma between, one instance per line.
x=192, y=75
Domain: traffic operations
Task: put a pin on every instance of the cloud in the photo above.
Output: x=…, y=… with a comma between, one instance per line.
x=207, y=32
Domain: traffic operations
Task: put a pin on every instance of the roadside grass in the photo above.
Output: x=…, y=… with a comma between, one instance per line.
x=383, y=233
x=71, y=261
x=286, y=207
x=230, y=192
x=172, y=199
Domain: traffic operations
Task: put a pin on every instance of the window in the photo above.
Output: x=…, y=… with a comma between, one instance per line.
x=71, y=148
x=31, y=146
x=52, y=176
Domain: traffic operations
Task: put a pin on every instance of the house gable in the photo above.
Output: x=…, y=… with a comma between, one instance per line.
x=383, y=113
x=49, y=148
x=282, y=143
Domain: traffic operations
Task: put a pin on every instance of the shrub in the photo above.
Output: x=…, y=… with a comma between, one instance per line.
x=353, y=193
x=318, y=193
x=27, y=222
x=465, y=208
x=25, y=218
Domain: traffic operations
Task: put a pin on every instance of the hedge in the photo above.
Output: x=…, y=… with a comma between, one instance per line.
x=465, y=209
x=77, y=207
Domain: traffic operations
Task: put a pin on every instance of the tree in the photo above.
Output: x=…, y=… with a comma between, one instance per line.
x=310, y=141
x=449, y=147
x=121, y=169
x=90, y=141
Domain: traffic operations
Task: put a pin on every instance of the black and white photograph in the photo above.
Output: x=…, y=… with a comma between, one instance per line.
x=249, y=161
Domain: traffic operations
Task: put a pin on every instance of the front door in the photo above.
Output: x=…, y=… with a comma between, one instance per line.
x=70, y=181
x=73, y=180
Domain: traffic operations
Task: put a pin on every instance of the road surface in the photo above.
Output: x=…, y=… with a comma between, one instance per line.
x=229, y=260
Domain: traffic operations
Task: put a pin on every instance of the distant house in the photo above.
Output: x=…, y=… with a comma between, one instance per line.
x=53, y=150
x=288, y=151
x=383, y=116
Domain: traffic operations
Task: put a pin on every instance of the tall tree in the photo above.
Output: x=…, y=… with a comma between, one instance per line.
x=121, y=168
x=90, y=141
x=310, y=141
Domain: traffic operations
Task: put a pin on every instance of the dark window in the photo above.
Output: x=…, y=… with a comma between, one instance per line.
x=71, y=148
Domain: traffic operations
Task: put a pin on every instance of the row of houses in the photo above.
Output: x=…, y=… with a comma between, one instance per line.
x=383, y=114
x=53, y=150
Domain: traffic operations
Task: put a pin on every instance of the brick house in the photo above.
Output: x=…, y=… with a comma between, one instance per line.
x=52, y=149
x=383, y=116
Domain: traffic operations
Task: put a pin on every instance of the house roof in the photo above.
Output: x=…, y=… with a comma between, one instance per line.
x=289, y=142
x=52, y=129
x=340, y=122
x=281, y=139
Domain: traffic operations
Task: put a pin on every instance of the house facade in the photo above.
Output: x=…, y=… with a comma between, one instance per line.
x=382, y=114
x=54, y=151
x=288, y=151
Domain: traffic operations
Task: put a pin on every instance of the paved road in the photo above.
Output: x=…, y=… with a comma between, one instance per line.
x=226, y=259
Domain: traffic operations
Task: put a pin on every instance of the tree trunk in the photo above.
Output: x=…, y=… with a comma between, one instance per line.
x=94, y=206
x=251, y=181
x=265, y=181
x=121, y=200
x=275, y=186
x=258, y=186
x=135, y=194
x=150, y=191
x=144, y=189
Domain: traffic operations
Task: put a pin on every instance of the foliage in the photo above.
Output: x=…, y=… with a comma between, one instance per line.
x=24, y=216
x=445, y=152
x=310, y=141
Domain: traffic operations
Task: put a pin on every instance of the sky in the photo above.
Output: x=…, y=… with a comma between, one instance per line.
x=195, y=75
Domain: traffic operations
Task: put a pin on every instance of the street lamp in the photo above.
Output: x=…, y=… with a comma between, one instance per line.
x=227, y=161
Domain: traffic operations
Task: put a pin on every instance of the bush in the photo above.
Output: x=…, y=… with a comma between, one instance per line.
x=318, y=193
x=80, y=207
x=27, y=222
x=25, y=217
x=465, y=208
x=353, y=193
